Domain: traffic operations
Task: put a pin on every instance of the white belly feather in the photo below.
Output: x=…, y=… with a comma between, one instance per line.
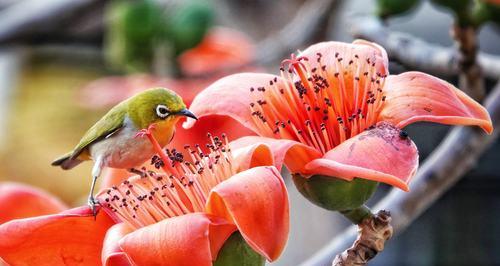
x=123, y=149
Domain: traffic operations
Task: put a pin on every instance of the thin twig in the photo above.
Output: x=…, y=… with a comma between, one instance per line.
x=417, y=53
x=453, y=158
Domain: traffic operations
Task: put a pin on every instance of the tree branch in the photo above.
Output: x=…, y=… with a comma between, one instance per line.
x=311, y=15
x=417, y=53
x=301, y=28
x=470, y=76
x=453, y=158
x=372, y=234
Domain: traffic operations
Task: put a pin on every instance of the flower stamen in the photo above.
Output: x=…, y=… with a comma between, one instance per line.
x=319, y=105
x=182, y=188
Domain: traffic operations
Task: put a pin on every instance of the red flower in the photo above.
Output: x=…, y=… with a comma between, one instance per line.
x=182, y=217
x=31, y=233
x=335, y=111
x=221, y=49
x=22, y=201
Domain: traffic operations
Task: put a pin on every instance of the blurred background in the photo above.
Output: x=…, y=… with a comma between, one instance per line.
x=64, y=63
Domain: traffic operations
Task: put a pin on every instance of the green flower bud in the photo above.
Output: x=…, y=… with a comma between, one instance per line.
x=188, y=25
x=133, y=29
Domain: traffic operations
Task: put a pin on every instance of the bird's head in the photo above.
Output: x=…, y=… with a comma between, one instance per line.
x=157, y=105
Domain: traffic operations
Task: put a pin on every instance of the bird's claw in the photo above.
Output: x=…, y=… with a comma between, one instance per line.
x=145, y=131
x=93, y=203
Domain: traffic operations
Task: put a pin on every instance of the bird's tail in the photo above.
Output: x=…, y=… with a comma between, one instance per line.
x=66, y=162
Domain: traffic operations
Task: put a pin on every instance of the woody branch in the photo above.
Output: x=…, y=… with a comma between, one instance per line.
x=418, y=54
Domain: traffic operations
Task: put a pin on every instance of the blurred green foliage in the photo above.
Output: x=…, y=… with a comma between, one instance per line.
x=387, y=8
x=484, y=12
x=467, y=12
x=140, y=32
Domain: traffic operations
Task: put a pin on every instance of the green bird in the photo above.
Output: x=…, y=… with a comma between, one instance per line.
x=111, y=141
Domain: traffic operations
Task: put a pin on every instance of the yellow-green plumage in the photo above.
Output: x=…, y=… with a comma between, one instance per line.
x=139, y=108
x=111, y=141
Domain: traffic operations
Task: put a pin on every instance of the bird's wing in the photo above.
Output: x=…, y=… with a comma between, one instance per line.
x=109, y=124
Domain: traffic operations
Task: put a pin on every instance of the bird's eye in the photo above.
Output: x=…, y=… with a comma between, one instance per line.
x=162, y=111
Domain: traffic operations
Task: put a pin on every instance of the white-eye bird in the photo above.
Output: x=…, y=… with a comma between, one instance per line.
x=111, y=141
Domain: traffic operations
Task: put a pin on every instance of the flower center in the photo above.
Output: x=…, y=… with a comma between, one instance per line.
x=182, y=188
x=320, y=105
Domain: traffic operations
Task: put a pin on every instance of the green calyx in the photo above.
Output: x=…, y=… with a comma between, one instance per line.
x=335, y=194
x=236, y=251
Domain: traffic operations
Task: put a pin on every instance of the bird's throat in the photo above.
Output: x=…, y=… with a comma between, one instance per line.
x=164, y=131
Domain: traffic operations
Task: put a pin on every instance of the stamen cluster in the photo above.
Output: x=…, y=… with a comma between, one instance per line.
x=320, y=105
x=182, y=188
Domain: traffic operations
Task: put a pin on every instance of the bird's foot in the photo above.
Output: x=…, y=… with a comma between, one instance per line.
x=93, y=204
x=145, y=131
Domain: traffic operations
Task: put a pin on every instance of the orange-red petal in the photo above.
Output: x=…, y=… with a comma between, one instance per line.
x=381, y=154
x=191, y=239
x=22, y=201
x=331, y=52
x=250, y=156
x=112, y=254
x=294, y=154
x=256, y=201
x=71, y=237
x=416, y=96
x=231, y=96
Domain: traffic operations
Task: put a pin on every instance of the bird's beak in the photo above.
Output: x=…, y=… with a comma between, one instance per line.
x=186, y=112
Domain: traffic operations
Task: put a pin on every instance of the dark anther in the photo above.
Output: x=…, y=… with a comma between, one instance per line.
x=403, y=134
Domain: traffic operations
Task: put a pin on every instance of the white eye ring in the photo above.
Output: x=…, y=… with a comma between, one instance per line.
x=162, y=111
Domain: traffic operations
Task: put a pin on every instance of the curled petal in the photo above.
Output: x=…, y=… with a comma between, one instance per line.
x=22, y=201
x=231, y=96
x=382, y=154
x=294, y=154
x=250, y=156
x=191, y=239
x=256, y=201
x=71, y=237
x=112, y=255
x=331, y=52
x=415, y=96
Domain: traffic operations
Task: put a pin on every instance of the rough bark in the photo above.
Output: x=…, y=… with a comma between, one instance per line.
x=372, y=234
